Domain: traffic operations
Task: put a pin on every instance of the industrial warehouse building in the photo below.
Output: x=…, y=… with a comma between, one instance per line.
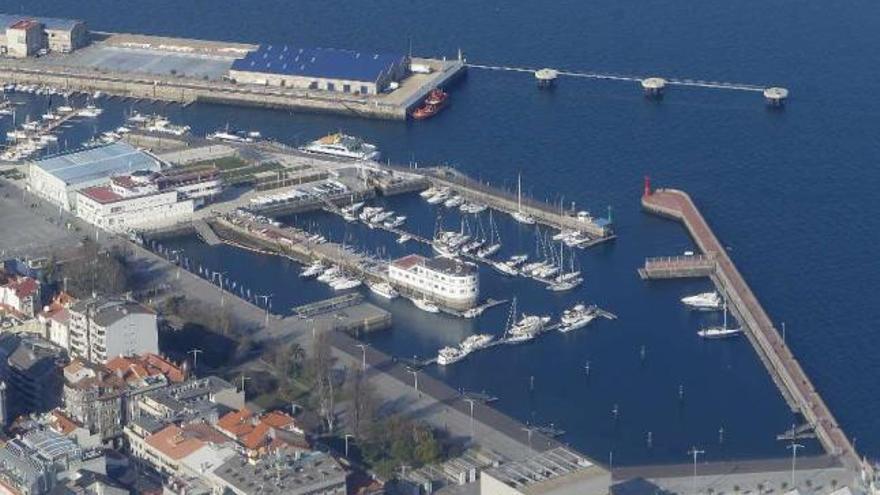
x=328, y=69
x=25, y=36
x=57, y=178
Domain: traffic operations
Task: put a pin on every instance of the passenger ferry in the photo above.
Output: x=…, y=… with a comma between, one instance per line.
x=343, y=146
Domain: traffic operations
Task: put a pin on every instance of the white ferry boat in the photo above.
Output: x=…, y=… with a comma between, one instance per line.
x=707, y=301
x=343, y=146
x=383, y=289
x=577, y=317
x=476, y=342
x=449, y=355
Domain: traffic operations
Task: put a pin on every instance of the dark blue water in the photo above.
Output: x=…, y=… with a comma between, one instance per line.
x=790, y=192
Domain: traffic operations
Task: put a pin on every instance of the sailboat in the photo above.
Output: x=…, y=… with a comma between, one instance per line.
x=519, y=215
x=493, y=245
x=721, y=332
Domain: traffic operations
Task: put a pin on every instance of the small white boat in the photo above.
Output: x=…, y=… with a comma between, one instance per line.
x=473, y=312
x=518, y=259
x=427, y=193
x=425, y=305
x=90, y=111
x=565, y=286
x=487, y=251
x=476, y=342
x=344, y=283
x=329, y=274
x=312, y=270
x=453, y=202
x=707, y=301
x=449, y=355
x=523, y=218
x=383, y=289
x=404, y=239
x=721, y=332
x=505, y=268
x=577, y=317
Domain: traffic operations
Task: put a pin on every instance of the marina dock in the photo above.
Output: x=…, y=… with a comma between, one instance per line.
x=766, y=339
x=599, y=229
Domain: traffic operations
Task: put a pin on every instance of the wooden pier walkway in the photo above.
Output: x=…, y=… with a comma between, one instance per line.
x=768, y=342
x=678, y=267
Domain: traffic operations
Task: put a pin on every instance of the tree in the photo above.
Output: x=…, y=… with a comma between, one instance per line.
x=363, y=402
x=322, y=374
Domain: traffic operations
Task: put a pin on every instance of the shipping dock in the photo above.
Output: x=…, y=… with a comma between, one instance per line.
x=782, y=365
x=352, y=82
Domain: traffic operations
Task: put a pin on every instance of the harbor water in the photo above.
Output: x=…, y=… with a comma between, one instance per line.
x=787, y=191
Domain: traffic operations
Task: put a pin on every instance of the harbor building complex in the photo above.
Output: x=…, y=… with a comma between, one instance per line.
x=450, y=282
x=121, y=188
x=362, y=83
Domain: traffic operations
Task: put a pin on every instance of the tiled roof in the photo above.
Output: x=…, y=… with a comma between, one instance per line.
x=101, y=194
x=173, y=443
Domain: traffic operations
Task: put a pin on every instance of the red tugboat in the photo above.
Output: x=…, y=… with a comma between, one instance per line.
x=434, y=102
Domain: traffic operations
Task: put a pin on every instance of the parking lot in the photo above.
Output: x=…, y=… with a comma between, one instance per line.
x=27, y=230
x=147, y=61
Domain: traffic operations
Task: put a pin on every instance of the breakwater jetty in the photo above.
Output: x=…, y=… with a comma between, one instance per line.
x=782, y=365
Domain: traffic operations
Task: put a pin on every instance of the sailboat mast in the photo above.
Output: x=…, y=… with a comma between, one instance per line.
x=519, y=192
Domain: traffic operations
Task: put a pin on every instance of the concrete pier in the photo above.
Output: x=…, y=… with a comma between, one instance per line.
x=599, y=229
x=96, y=68
x=777, y=357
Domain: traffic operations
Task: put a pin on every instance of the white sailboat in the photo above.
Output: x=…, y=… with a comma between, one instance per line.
x=721, y=332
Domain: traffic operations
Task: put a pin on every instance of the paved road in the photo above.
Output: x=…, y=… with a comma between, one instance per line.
x=434, y=402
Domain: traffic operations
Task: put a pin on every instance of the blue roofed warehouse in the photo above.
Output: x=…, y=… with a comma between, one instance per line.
x=327, y=69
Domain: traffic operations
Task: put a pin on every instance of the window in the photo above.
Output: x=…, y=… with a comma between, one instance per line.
x=331, y=86
x=346, y=88
x=364, y=90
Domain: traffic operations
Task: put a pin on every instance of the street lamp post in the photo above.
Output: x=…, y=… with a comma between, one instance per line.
x=694, y=452
x=794, y=448
x=415, y=374
x=363, y=357
x=471, y=402
x=195, y=354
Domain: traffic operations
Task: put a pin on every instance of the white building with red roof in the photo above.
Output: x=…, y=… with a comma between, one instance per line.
x=20, y=295
x=132, y=202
